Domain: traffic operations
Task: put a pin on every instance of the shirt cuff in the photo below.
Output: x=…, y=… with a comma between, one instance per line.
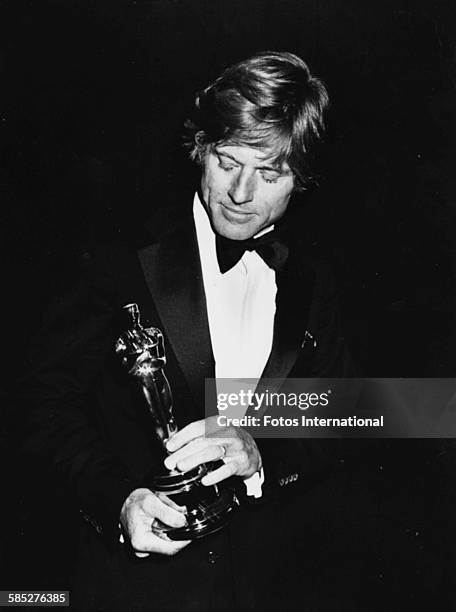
x=254, y=483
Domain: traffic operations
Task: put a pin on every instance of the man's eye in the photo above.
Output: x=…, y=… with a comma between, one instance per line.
x=224, y=166
x=270, y=178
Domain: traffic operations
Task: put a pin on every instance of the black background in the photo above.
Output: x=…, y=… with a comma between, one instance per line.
x=93, y=97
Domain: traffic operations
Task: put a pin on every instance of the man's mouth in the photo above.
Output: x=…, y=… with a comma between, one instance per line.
x=236, y=213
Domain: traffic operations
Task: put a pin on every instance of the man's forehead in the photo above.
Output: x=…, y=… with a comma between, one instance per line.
x=252, y=155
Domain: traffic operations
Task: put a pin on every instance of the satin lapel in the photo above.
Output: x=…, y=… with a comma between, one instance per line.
x=173, y=273
x=295, y=286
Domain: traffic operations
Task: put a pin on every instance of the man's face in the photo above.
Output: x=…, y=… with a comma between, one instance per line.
x=243, y=192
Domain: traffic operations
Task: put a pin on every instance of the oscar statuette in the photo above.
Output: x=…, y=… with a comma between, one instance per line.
x=208, y=508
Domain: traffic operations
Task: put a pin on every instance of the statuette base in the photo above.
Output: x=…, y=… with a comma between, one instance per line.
x=208, y=508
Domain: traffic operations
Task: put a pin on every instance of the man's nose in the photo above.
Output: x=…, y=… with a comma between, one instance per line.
x=242, y=188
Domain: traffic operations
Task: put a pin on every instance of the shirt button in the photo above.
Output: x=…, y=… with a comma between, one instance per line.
x=213, y=557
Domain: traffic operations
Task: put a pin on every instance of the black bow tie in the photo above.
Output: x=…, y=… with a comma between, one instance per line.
x=269, y=247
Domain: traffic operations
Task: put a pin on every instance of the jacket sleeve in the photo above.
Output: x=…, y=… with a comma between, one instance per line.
x=62, y=365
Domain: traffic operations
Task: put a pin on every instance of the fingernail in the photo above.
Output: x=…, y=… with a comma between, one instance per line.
x=170, y=445
x=170, y=465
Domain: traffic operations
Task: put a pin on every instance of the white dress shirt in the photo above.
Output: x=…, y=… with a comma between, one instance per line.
x=240, y=309
x=240, y=306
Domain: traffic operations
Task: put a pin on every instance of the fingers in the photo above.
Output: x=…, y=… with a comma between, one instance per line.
x=203, y=428
x=192, y=447
x=186, y=435
x=203, y=442
x=222, y=473
x=140, y=512
x=167, y=513
x=169, y=502
x=146, y=542
x=195, y=453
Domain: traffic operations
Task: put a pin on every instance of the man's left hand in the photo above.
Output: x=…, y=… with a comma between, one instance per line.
x=203, y=441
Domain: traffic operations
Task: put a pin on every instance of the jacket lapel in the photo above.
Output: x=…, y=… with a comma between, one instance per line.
x=295, y=287
x=172, y=271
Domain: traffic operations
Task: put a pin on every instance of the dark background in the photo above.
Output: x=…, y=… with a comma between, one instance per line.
x=92, y=100
x=92, y=103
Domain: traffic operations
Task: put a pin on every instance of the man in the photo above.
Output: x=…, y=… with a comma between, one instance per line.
x=233, y=300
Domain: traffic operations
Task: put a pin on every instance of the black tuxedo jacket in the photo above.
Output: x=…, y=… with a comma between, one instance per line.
x=86, y=423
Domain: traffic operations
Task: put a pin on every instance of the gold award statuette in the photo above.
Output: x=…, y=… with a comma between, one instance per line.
x=208, y=508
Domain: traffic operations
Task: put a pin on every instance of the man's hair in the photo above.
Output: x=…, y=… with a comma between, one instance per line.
x=270, y=102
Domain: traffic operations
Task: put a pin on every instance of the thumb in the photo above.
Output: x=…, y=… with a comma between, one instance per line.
x=164, y=513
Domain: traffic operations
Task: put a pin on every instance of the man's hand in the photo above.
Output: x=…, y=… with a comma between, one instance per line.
x=139, y=511
x=203, y=441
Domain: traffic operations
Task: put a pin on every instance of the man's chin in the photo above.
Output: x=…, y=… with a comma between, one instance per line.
x=236, y=232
